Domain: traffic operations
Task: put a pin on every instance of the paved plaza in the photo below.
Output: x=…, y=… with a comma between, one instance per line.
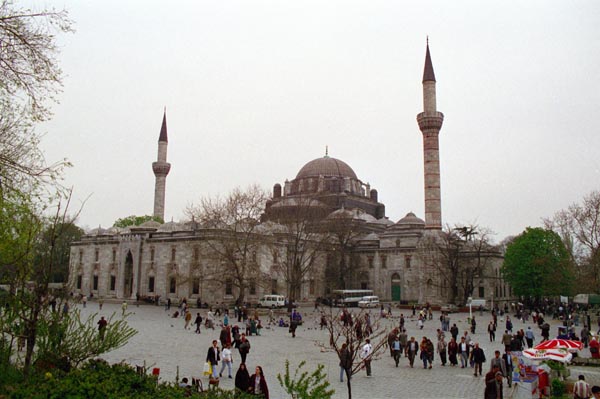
x=164, y=343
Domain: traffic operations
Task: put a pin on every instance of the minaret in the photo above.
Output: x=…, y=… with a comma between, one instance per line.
x=161, y=169
x=430, y=122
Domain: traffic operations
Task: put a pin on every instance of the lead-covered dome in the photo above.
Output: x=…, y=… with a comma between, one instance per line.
x=325, y=167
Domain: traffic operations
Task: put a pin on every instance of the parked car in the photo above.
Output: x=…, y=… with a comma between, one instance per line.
x=449, y=308
x=369, y=302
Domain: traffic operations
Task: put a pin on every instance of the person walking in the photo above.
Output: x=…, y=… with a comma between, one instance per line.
x=493, y=385
x=412, y=348
x=452, y=352
x=213, y=357
x=242, y=379
x=492, y=331
x=365, y=355
x=529, y=337
x=102, y=328
x=391, y=338
x=345, y=362
x=258, y=384
x=508, y=367
x=478, y=359
x=498, y=361
x=463, y=351
x=188, y=319
x=226, y=360
x=244, y=347
x=198, y=322
x=441, y=349
x=581, y=389
x=397, y=349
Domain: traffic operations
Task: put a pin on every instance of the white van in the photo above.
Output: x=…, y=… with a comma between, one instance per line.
x=272, y=301
x=371, y=301
x=478, y=303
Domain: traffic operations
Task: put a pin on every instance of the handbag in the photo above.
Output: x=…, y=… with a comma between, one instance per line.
x=207, y=368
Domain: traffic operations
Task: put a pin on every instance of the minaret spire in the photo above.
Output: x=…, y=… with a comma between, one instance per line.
x=161, y=169
x=430, y=122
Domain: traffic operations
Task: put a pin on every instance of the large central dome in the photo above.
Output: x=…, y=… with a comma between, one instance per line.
x=326, y=166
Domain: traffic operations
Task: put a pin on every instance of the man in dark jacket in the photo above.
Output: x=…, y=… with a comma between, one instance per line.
x=478, y=358
x=213, y=356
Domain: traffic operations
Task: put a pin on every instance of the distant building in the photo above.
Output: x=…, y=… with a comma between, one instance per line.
x=400, y=261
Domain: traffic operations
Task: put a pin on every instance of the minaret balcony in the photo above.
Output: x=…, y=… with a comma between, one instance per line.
x=429, y=121
x=161, y=168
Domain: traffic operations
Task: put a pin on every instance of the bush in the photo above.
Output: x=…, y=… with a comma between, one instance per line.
x=98, y=380
x=558, y=388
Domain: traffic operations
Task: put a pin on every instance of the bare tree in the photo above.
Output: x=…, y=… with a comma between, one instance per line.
x=579, y=228
x=343, y=230
x=353, y=330
x=303, y=242
x=459, y=255
x=233, y=236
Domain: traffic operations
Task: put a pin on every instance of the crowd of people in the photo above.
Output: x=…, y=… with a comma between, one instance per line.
x=446, y=348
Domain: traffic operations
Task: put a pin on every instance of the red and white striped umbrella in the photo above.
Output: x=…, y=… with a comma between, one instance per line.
x=571, y=346
x=560, y=355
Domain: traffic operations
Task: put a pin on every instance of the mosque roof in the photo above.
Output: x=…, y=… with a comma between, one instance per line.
x=326, y=167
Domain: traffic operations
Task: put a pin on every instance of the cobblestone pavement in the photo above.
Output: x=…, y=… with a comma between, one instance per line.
x=164, y=343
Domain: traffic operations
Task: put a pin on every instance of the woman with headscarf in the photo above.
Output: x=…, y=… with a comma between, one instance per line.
x=258, y=384
x=242, y=378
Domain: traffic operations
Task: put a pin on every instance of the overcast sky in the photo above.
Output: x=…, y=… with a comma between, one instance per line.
x=256, y=89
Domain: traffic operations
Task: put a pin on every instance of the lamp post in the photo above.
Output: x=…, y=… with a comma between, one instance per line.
x=470, y=301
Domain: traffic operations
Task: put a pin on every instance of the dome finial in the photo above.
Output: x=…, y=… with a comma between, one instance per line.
x=326, y=150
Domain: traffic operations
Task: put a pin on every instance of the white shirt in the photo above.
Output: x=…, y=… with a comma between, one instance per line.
x=226, y=355
x=366, y=351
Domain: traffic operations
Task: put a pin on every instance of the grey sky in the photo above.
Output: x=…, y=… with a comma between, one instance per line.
x=255, y=89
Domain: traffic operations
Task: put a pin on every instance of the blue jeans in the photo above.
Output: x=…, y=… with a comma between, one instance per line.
x=223, y=365
x=215, y=373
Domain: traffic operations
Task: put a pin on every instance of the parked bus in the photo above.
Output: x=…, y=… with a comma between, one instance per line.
x=349, y=298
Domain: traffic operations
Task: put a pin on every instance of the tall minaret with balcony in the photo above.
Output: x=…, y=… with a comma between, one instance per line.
x=161, y=169
x=430, y=122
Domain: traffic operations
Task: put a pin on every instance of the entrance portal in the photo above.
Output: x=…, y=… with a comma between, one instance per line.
x=396, y=288
x=128, y=275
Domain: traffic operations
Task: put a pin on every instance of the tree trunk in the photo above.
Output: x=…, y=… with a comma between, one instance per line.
x=349, y=384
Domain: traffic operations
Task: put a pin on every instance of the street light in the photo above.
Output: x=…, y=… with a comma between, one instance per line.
x=470, y=302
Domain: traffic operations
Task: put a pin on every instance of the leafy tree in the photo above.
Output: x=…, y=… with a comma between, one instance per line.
x=68, y=233
x=29, y=77
x=134, y=220
x=234, y=241
x=306, y=386
x=537, y=264
x=354, y=332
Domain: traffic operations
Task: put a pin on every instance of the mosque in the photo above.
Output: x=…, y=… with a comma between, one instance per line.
x=395, y=259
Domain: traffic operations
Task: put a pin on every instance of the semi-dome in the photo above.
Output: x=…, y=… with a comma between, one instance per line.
x=326, y=166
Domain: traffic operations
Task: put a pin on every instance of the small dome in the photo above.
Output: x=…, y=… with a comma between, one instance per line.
x=99, y=231
x=150, y=224
x=325, y=167
x=370, y=237
x=342, y=214
x=410, y=221
x=173, y=226
x=385, y=221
